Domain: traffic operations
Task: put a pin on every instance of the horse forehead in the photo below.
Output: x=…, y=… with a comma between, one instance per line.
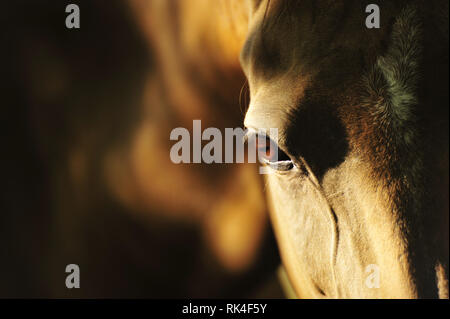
x=324, y=61
x=301, y=34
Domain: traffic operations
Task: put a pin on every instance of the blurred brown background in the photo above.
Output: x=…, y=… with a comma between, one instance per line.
x=85, y=171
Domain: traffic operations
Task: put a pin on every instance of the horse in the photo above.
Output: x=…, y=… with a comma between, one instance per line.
x=362, y=116
x=359, y=207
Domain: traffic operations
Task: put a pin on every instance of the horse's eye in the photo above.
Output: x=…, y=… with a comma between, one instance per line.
x=271, y=155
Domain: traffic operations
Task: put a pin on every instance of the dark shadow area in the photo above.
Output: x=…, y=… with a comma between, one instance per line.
x=317, y=134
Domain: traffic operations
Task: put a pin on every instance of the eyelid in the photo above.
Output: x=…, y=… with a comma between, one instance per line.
x=281, y=166
x=254, y=133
